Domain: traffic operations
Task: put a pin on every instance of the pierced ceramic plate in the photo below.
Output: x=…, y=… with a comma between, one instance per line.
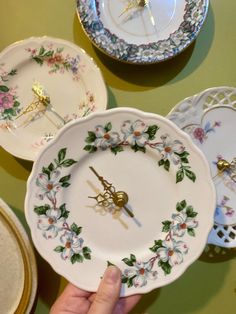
x=77, y=228
x=154, y=33
x=69, y=76
x=209, y=118
x=18, y=276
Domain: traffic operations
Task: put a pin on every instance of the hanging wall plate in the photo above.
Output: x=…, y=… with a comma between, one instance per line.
x=209, y=118
x=122, y=187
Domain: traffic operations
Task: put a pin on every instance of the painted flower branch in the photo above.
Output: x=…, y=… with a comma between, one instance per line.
x=139, y=136
x=52, y=218
x=9, y=103
x=169, y=251
x=56, y=60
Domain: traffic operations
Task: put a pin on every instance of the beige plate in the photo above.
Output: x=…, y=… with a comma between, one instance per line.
x=18, y=276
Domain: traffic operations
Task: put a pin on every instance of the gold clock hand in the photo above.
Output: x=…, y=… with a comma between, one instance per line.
x=132, y=5
x=224, y=165
x=39, y=91
x=119, y=198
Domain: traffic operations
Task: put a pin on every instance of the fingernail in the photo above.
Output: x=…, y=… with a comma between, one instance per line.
x=112, y=275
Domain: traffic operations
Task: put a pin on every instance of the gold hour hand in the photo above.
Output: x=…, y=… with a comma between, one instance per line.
x=119, y=198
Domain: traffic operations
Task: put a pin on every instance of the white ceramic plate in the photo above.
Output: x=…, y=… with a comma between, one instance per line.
x=209, y=118
x=18, y=276
x=69, y=76
x=149, y=34
x=162, y=172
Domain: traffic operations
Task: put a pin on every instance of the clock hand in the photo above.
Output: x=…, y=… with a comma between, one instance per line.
x=42, y=100
x=224, y=165
x=119, y=198
x=147, y=5
x=132, y=5
x=40, y=92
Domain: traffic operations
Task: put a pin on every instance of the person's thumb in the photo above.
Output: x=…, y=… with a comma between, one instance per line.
x=108, y=292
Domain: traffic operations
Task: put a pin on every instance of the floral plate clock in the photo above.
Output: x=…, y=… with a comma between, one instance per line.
x=140, y=208
x=209, y=118
x=69, y=77
x=142, y=31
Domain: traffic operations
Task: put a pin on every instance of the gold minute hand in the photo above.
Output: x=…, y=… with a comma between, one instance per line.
x=119, y=198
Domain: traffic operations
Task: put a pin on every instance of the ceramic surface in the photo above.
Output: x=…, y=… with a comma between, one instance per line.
x=153, y=33
x=68, y=75
x=209, y=118
x=164, y=175
x=18, y=277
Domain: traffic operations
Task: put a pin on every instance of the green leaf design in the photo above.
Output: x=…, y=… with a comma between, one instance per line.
x=151, y=131
x=76, y=258
x=77, y=230
x=13, y=72
x=10, y=112
x=108, y=127
x=86, y=252
x=165, y=267
x=184, y=154
x=110, y=264
x=90, y=148
x=68, y=162
x=65, y=184
x=49, y=54
x=117, y=149
x=4, y=89
x=138, y=148
x=191, y=232
x=62, y=154
x=161, y=162
x=41, y=210
x=179, y=175
x=167, y=165
x=156, y=246
x=41, y=51
x=190, y=212
x=91, y=137
x=184, y=160
x=47, y=172
x=183, y=203
x=133, y=258
x=59, y=249
x=64, y=212
x=191, y=175
x=130, y=281
x=166, y=226
x=16, y=104
x=128, y=261
x=65, y=178
x=38, y=60
x=51, y=167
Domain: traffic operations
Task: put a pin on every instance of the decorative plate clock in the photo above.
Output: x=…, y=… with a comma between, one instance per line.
x=44, y=83
x=121, y=187
x=142, y=31
x=209, y=118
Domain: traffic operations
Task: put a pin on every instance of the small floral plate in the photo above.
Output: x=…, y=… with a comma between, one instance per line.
x=79, y=229
x=209, y=118
x=69, y=77
x=131, y=32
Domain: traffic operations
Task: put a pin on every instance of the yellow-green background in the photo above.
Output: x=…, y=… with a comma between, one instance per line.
x=209, y=285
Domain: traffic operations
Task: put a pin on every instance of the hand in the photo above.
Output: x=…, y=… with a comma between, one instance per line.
x=105, y=301
x=135, y=4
